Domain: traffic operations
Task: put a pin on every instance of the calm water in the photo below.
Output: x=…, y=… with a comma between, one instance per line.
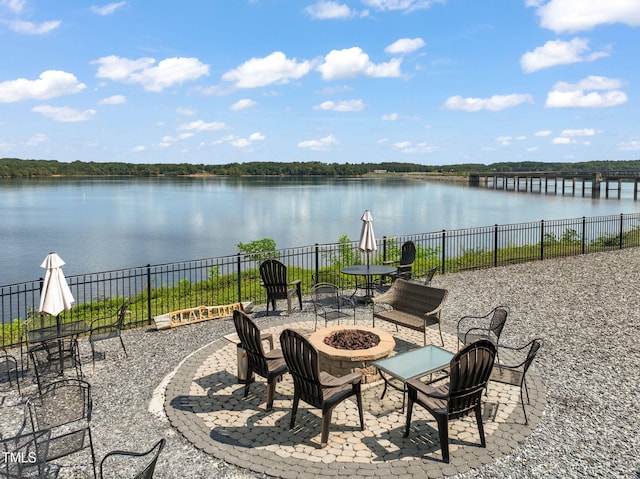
x=104, y=224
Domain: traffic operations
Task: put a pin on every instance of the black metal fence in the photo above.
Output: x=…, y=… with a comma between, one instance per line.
x=161, y=288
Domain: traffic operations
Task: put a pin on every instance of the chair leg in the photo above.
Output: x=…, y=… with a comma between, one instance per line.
x=271, y=391
x=480, y=425
x=409, y=412
x=326, y=422
x=443, y=433
x=359, y=400
x=249, y=374
x=123, y=348
x=294, y=410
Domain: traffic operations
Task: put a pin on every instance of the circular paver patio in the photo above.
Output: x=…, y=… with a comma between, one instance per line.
x=205, y=403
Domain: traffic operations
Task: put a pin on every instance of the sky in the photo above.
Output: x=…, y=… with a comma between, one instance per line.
x=433, y=82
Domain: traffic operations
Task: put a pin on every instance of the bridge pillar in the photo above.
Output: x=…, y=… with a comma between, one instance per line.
x=595, y=185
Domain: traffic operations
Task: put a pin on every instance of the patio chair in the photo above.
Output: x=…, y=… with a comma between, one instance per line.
x=317, y=388
x=405, y=263
x=25, y=455
x=329, y=277
x=330, y=305
x=489, y=326
x=65, y=408
x=515, y=374
x=428, y=276
x=469, y=372
x=108, y=327
x=270, y=366
x=52, y=359
x=274, y=280
x=136, y=465
x=8, y=367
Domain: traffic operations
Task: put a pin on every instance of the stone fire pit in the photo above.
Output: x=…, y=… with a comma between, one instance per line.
x=344, y=361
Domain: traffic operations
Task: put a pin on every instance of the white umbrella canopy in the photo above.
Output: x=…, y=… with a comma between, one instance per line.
x=367, y=236
x=55, y=296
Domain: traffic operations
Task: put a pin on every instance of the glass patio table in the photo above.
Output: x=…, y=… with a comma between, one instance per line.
x=411, y=365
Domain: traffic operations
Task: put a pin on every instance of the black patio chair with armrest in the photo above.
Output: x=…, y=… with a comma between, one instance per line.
x=108, y=327
x=64, y=407
x=8, y=367
x=274, y=280
x=317, y=388
x=270, y=366
x=330, y=305
x=25, y=455
x=489, y=326
x=136, y=465
x=404, y=264
x=516, y=374
x=52, y=360
x=469, y=372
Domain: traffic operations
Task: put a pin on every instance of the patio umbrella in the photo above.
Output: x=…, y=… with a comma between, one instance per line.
x=367, y=237
x=55, y=296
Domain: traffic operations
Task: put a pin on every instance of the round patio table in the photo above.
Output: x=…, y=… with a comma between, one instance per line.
x=368, y=271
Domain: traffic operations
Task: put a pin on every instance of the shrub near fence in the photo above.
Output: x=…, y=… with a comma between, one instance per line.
x=157, y=289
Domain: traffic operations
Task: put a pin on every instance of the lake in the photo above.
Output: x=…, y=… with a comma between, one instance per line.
x=101, y=224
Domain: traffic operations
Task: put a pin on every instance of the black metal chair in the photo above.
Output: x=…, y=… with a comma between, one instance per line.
x=274, y=280
x=405, y=263
x=64, y=407
x=270, y=366
x=489, y=326
x=429, y=274
x=8, y=367
x=330, y=305
x=54, y=358
x=317, y=388
x=136, y=465
x=516, y=374
x=25, y=455
x=329, y=277
x=469, y=372
x=108, y=327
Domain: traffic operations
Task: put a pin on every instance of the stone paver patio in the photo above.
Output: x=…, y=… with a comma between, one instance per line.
x=205, y=403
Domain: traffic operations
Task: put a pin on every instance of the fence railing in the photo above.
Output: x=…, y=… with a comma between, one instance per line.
x=161, y=288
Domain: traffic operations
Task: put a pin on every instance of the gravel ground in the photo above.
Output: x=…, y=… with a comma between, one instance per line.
x=585, y=308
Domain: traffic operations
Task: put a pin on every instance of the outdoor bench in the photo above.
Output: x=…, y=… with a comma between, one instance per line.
x=414, y=305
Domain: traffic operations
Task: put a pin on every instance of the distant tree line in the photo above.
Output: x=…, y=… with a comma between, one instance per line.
x=18, y=168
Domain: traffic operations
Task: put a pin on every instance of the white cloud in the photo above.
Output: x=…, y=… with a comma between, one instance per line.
x=543, y=133
x=341, y=106
x=633, y=145
x=504, y=140
x=567, y=95
x=390, y=117
x=64, y=114
x=50, y=84
x=322, y=144
x=36, y=139
x=186, y=111
x=274, y=68
x=113, y=100
x=30, y=28
x=562, y=140
x=168, y=140
x=559, y=52
x=580, y=132
x=167, y=73
x=410, y=148
x=15, y=6
x=200, y=125
x=408, y=5
x=405, y=45
x=242, y=104
x=353, y=62
x=494, y=103
x=327, y=10
x=581, y=15
x=138, y=149
x=257, y=136
x=107, y=9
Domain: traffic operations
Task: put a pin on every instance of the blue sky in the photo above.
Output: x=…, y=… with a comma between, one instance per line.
x=433, y=82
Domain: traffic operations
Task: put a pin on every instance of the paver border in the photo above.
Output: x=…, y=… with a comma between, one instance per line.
x=506, y=438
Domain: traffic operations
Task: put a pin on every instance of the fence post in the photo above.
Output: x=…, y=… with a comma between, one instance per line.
x=239, y=278
x=621, y=228
x=495, y=246
x=541, y=240
x=384, y=248
x=149, y=293
x=444, y=243
x=584, y=233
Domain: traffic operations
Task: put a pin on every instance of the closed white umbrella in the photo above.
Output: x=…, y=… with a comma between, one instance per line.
x=55, y=296
x=367, y=236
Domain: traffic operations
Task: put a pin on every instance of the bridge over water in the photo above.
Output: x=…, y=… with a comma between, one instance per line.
x=559, y=182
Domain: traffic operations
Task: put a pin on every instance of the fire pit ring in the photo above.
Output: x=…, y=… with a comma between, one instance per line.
x=339, y=362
